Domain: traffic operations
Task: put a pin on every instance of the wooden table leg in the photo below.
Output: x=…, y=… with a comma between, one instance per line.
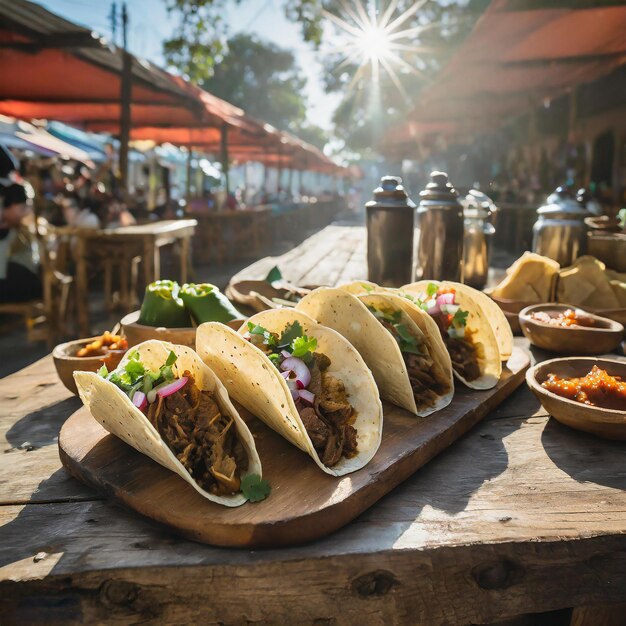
x=156, y=263
x=82, y=287
x=184, y=259
x=148, y=261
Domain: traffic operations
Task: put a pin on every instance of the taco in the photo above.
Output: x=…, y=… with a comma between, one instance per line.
x=303, y=380
x=166, y=403
x=399, y=342
x=465, y=329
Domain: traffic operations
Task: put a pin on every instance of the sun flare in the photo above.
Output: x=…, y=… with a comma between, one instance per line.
x=375, y=39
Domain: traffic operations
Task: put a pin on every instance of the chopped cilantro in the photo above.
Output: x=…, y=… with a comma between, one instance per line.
x=275, y=358
x=368, y=288
x=460, y=318
x=291, y=332
x=432, y=289
x=103, y=371
x=255, y=488
x=303, y=347
x=268, y=337
x=273, y=275
x=400, y=331
x=171, y=358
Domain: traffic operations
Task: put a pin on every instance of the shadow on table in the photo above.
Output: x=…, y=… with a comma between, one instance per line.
x=41, y=428
x=445, y=484
x=586, y=458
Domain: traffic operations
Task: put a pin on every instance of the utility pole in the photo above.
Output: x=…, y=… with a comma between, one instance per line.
x=125, y=100
x=113, y=20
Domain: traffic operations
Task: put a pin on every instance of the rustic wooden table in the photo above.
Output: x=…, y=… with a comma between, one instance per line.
x=149, y=238
x=521, y=515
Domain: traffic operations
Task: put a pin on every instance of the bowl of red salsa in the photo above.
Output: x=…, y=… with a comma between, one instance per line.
x=567, y=329
x=584, y=393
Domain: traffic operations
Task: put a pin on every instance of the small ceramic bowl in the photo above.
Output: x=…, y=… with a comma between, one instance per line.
x=583, y=340
x=259, y=295
x=607, y=423
x=66, y=361
x=136, y=333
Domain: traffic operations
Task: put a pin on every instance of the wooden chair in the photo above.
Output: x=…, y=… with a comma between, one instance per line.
x=45, y=318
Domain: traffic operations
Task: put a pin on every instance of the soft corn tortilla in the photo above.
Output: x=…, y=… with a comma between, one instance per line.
x=587, y=283
x=530, y=279
x=256, y=383
x=493, y=313
x=110, y=406
x=348, y=314
x=481, y=332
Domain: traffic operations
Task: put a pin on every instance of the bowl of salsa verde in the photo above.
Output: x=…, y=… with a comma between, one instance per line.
x=584, y=393
x=567, y=329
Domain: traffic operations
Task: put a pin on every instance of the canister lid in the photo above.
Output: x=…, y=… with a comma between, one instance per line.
x=439, y=190
x=391, y=193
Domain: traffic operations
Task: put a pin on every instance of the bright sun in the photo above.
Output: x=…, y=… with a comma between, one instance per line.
x=376, y=39
x=374, y=43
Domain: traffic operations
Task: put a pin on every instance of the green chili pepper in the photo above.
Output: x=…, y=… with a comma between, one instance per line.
x=207, y=303
x=162, y=306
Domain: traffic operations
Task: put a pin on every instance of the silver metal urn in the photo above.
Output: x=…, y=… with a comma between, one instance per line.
x=440, y=222
x=479, y=231
x=560, y=232
x=390, y=223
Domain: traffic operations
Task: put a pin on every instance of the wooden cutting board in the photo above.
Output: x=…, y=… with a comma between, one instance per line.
x=305, y=503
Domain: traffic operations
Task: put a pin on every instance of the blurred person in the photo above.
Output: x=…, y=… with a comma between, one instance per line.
x=19, y=256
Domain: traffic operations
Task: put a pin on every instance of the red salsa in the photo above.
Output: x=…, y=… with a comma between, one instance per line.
x=597, y=388
x=565, y=319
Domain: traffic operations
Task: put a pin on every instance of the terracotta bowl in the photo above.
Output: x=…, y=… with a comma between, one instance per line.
x=607, y=423
x=67, y=363
x=136, y=333
x=604, y=337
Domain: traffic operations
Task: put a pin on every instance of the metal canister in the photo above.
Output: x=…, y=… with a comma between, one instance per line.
x=440, y=222
x=479, y=232
x=560, y=232
x=390, y=223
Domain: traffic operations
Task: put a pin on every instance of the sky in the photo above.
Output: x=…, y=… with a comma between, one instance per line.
x=150, y=24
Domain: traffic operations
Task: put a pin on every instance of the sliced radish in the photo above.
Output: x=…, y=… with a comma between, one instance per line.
x=298, y=366
x=140, y=400
x=173, y=387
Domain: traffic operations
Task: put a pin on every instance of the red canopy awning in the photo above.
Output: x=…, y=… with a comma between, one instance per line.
x=515, y=58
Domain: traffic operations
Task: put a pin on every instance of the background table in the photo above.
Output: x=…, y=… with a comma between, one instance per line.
x=147, y=238
x=521, y=515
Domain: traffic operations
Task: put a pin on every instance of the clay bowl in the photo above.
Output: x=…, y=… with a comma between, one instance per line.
x=604, y=337
x=137, y=333
x=67, y=363
x=607, y=423
x=617, y=315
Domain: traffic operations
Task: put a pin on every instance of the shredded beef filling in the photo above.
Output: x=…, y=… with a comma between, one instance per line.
x=462, y=353
x=419, y=367
x=463, y=356
x=426, y=388
x=203, y=439
x=329, y=421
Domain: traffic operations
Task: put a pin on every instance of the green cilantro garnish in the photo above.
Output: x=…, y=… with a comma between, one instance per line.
x=103, y=371
x=273, y=275
x=268, y=337
x=291, y=332
x=275, y=358
x=406, y=341
x=460, y=318
x=432, y=289
x=303, y=347
x=368, y=288
x=134, y=376
x=255, y=488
